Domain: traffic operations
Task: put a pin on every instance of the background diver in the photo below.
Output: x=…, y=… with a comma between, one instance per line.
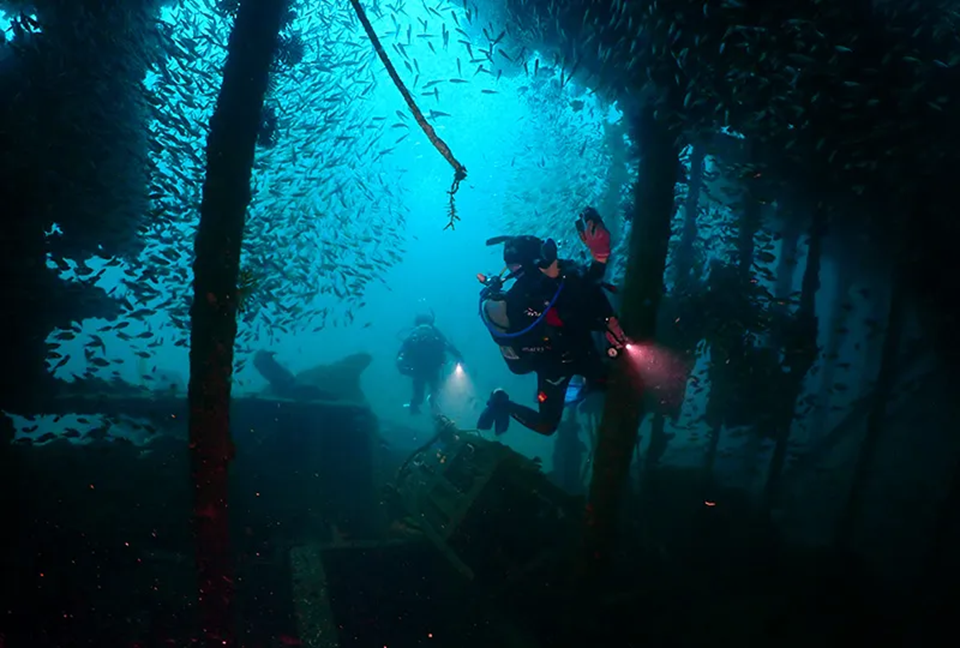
x=546, y=323
x=422, y=354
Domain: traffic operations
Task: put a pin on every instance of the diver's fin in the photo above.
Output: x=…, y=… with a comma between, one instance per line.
x=496, y=414
x=497, y=240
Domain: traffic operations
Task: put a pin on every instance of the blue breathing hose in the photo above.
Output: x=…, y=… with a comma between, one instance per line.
x=497, y=333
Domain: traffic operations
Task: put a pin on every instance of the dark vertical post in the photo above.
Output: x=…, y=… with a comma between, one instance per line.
x=226, y=194
x=642, y=291
x=683, y=259
x=886, y=379
x=800, y=352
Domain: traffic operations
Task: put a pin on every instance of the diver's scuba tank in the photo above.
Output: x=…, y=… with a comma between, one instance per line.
x=493, y=292
x=508, y=340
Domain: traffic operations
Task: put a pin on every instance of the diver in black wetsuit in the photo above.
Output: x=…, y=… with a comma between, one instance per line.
x=421, y=356
x=546, y=323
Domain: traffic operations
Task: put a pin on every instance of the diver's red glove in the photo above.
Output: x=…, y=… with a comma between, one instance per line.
x=594, y=234
x=615, y=335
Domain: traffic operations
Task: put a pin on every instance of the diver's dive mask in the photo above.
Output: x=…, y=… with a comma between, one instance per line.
x=548, y=254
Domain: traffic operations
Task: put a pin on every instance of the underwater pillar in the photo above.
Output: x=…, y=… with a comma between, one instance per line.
x=886, y=380
x=568, y=452
x=787, y=261
x=642, y=291
x=684, y=258
x=838, y=319
x=800, y=352
x=226, y=194
x=746, y=244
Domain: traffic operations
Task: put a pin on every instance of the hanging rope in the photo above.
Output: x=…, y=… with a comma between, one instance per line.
x=459, y=171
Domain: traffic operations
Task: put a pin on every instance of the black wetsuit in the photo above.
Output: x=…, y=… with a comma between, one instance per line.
x=562, y=345
x=421, y=357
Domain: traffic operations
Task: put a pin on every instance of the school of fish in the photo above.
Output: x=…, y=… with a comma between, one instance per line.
x=329, y=205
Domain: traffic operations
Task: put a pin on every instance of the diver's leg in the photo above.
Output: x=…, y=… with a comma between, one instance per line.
x=419, y=386
x=551, y=391
x=433, y=388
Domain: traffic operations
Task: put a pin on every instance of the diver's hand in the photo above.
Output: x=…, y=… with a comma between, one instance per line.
x=594, y=234
x=615, y=335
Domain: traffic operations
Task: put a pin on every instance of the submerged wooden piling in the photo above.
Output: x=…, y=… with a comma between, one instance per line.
x=800, y=352
x=226, y=194
x=642, y=291
x=886, y=380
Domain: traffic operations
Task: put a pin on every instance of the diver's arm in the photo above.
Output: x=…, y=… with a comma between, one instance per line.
x=591, y=295
x=403, y=362
x=595, y=271
x=601, y=307
x=449, y=347
x=589, y=276
x=404, y=349
x=454, y=351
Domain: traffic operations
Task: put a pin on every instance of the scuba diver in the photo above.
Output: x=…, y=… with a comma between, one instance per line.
x=422, y=355
x=546, y=323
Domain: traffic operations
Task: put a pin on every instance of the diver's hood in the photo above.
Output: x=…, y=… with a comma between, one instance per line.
x=425, y=318
x=527, y=250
